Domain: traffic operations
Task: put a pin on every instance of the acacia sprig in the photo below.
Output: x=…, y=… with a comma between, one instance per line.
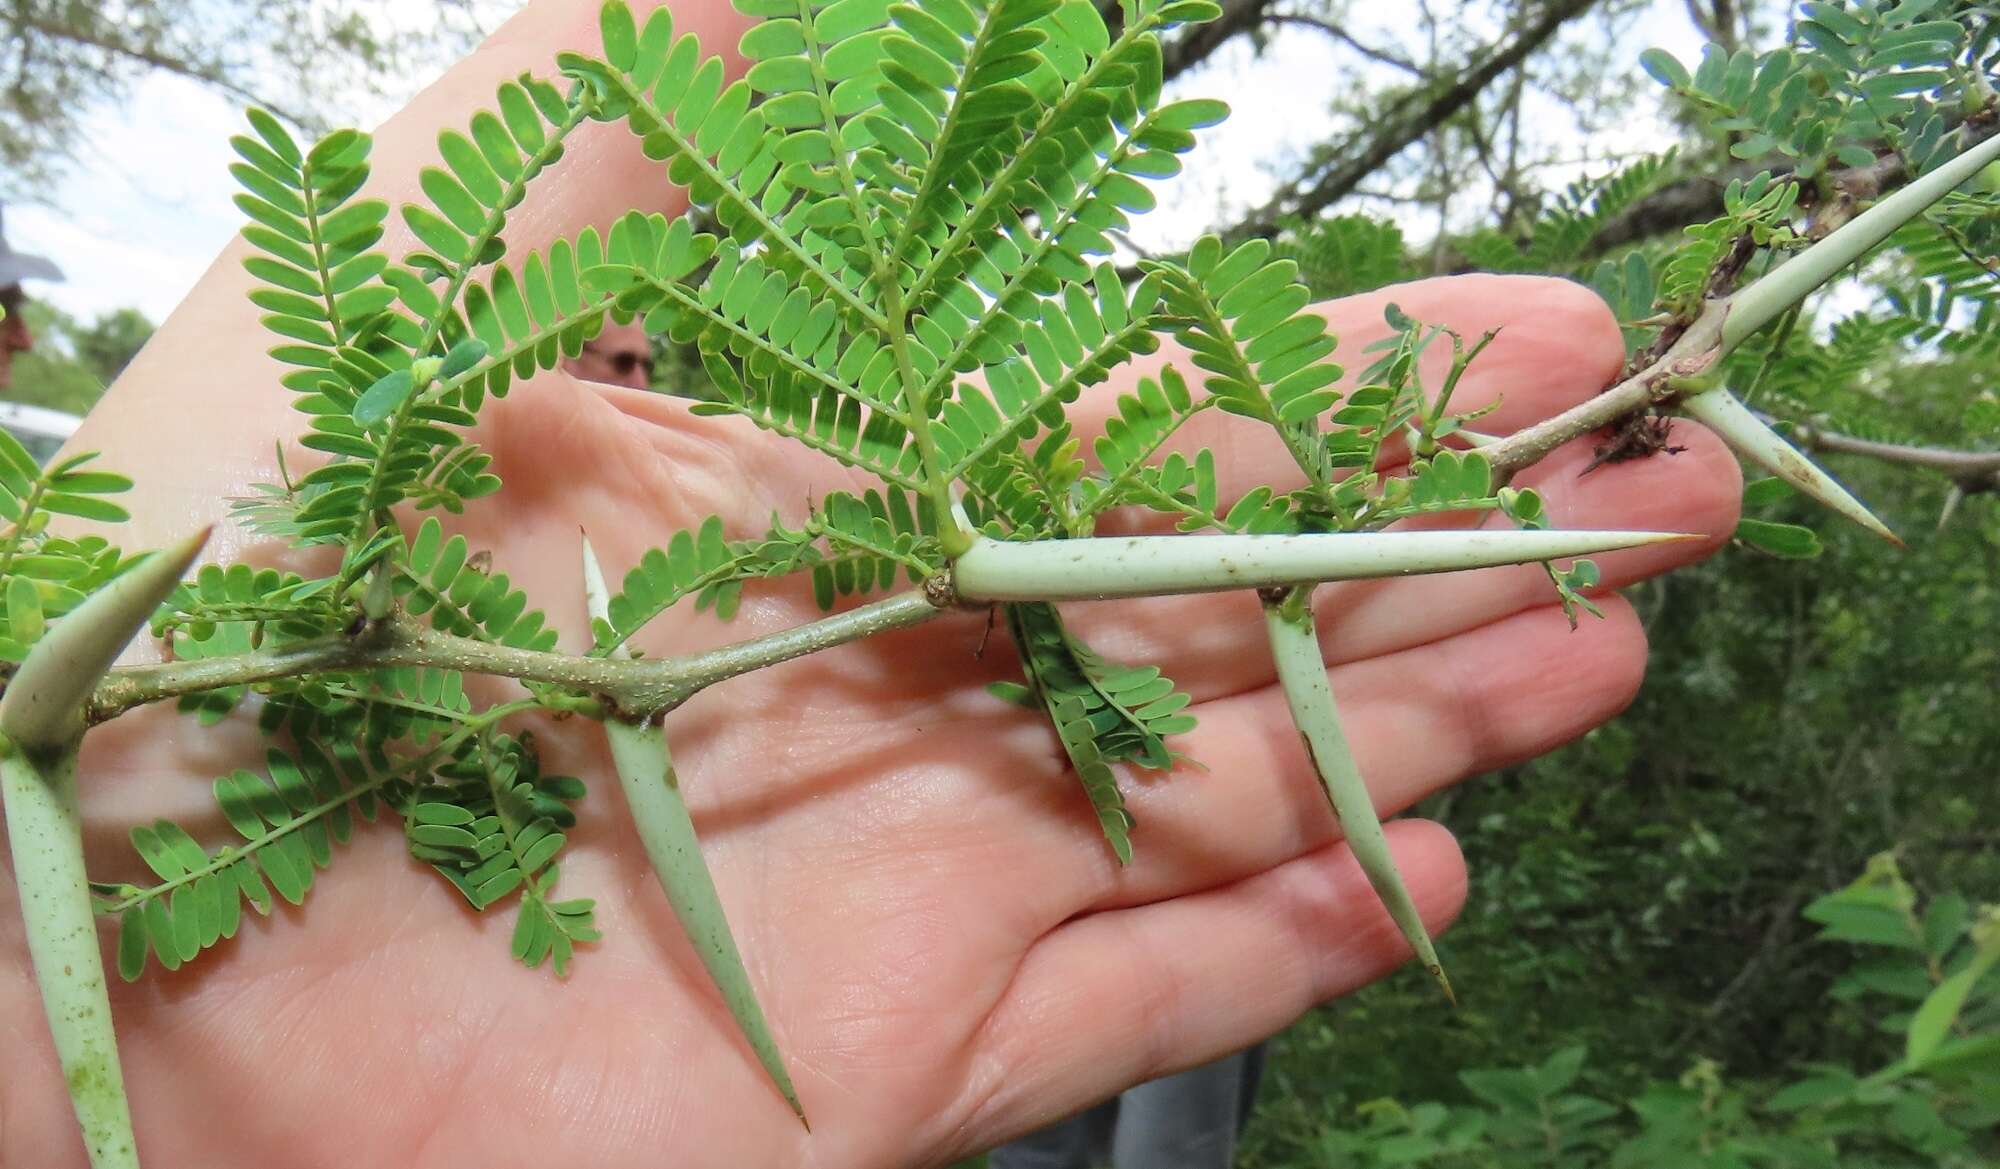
x=904, y=273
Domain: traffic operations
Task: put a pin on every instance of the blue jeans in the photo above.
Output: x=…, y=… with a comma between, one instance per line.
x=1185, y=1121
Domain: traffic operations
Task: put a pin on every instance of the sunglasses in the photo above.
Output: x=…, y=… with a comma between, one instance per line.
x=623, y=362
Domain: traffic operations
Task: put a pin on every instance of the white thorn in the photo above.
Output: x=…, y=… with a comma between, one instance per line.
x=1748, y=436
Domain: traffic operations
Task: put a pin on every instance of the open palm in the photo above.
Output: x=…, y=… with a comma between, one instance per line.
x=948, y=953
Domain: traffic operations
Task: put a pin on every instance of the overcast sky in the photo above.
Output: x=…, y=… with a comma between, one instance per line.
x=147, y=206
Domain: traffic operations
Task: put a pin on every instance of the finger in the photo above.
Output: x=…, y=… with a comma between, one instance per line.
x=1698, y=491
x=1118, y=998
x=1214, y=644
x=1419, y=721
x=1556, y=344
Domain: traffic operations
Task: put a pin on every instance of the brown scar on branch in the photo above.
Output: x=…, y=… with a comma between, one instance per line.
x=1636, y=436
x=1647, y=432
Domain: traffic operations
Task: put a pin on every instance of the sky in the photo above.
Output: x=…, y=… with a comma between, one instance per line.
x=147, y=206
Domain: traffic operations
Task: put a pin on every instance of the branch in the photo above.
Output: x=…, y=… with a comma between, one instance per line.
x=991, y=571
x=636, y=688
x=1201, y=41
x=1100, y=568
x=1321, y=24
x=1400, y=129
x=1697, y=349
x=1695, y=200
x=1972, y=471
x=1726, y=321
x=152, y=58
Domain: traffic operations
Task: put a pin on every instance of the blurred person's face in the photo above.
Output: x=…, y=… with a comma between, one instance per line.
x=14, y=335
x=622, y=355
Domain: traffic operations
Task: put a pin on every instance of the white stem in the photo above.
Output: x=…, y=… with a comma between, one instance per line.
x=46, y=834
x=1136, y=566
x=1760, y=303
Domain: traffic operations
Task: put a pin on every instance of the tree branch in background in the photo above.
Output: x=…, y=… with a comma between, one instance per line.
x=64, y=60
x=1697, y=199
x=1970, y=471
x=153, y=58
x=1718, y=24
x=1406, y=121
x=1338, y=33
x=1199, y=42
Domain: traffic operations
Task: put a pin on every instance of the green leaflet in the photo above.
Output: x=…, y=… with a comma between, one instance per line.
x=235, y=610
x=356, y=359
x=43, y=577
x=1029, y=494
x=1076, y=340
x=714, y=143
x=692, y=562
x=1087, y=83
x=316, y=258
x=486, y=169
x=871, y=540
x=1562, y=233
x=289, y=819
x=493, y=826
x=987, y=69
x=851, y=544
x=999, y=290
x=1103, y=713
x=1243, y=316
x=1855, y=73
x=743, y=306
x=1341, y=255
x=443, y=580
x=833, y=75
x=1146, y=418
x=821, y=418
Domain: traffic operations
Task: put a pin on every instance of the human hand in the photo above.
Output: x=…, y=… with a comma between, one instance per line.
x=948, y=954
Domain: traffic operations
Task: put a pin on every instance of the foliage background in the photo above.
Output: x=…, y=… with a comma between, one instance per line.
x=73, y=360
